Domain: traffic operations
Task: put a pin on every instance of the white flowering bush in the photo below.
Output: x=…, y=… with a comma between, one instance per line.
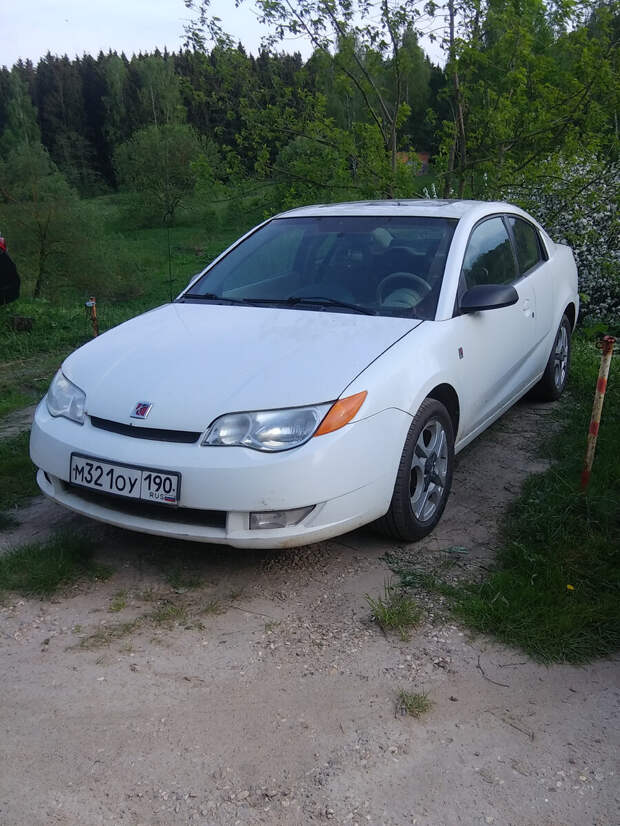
x=576, y=201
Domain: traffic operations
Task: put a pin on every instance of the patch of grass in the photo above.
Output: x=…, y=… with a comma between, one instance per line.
x=555, y=592
x=271, y=626
x=63, y=325
x=411, y=577
x=7, y=521
x=23, y=381
x=213, y=606
x=17, y=473
x=395, y=611
x=13, y=400
x=413, y=703
x=118, y=602
x=168, y=613
x=107, y=634
x=182, y=579
x=235, y=594
x=41, y=568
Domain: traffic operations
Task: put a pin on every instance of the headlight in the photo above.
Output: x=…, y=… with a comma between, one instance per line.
x=274, y=430
x=66, y=399
x=269, y=430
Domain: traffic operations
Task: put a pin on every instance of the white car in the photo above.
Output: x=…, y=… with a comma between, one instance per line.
x=317, y=376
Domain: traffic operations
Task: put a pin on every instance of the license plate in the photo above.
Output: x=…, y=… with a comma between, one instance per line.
x=159, y=486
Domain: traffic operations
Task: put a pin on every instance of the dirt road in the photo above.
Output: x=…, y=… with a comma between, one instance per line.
x=216, y=686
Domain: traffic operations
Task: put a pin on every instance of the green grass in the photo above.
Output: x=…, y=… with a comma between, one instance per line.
x=41, y=568
x=168, y=613
x=62, y=324
x=182, y=579
x=13, y=399
x=25, y=381
x=107, y=634
x=413, y=703
x=17, y=474
x=118, y=602
x=213, y=606
x=395, y=611
x=28, y=360
x=555, y=591
x=7, y=521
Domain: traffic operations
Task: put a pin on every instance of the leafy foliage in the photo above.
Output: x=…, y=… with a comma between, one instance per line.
x=576, y=200
x=526, y=84
x=157, y=166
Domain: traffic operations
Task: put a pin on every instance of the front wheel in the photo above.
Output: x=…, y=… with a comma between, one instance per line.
x=424, y=475
x=552, y=384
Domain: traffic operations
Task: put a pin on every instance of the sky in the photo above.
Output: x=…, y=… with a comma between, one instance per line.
x=31, y=28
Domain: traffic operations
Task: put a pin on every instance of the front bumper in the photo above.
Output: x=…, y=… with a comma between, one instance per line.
x=347, y=475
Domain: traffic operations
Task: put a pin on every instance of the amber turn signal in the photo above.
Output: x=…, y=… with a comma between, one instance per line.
x=341, y=412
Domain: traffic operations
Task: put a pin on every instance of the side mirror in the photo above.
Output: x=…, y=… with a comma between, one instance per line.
x=488, y=297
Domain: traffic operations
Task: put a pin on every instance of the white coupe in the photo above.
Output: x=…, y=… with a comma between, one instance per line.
x=319, y=375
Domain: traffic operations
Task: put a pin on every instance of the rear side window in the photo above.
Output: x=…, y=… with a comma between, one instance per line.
x=526, y=242
x=489, y=258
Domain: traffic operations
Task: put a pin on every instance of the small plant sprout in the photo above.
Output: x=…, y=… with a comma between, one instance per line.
x=395, y=611
x=413, y=703
x=168, y=613
x=213, y=606
x=118, y=602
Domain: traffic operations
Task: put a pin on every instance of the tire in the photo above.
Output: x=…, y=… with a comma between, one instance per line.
x=424, y=475
x=552, y=384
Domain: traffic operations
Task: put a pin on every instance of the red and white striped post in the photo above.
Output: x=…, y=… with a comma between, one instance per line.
x=597, y=408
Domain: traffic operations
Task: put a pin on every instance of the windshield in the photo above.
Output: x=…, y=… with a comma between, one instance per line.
x=371, y=264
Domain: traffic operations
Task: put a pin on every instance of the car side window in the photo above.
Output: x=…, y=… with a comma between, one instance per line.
x=526, y=242
x=489, y=258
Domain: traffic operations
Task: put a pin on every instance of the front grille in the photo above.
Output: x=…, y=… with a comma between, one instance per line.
x=161, y=513
x=157, y=434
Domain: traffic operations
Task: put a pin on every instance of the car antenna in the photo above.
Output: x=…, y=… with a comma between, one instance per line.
x=167, y=218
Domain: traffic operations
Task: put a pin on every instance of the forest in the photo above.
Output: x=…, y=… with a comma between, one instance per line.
x=117, y=172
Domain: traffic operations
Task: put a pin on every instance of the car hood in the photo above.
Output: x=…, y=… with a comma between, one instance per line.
x=194, y=362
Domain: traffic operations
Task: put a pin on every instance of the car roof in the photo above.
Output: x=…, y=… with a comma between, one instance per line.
x=430, y=207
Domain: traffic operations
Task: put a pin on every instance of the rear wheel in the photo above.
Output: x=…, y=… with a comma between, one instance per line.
x=424, y=475
x=552, y=384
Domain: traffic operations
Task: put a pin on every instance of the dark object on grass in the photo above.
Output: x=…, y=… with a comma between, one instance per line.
x=20, y=323
x=9, y=279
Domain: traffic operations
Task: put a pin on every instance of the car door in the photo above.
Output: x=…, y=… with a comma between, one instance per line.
x=495, y=346
x=535, y=267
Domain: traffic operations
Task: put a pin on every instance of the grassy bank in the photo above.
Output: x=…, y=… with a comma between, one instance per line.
x=17, y=476
x=165, y=261
x=41, y=568
x=555, y=591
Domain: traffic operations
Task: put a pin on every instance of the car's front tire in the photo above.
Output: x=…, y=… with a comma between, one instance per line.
x=424, y=475
x=552, y=384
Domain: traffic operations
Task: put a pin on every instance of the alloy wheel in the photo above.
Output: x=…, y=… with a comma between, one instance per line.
x=560, y=357
x=429, y=468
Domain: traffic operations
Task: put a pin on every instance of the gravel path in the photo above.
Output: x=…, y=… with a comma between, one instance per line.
x=217, y=686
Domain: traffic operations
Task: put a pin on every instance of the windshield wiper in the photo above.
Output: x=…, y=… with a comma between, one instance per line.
x=213, y=297
x=207, y=296
x=323, y=301
x=292, y=300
